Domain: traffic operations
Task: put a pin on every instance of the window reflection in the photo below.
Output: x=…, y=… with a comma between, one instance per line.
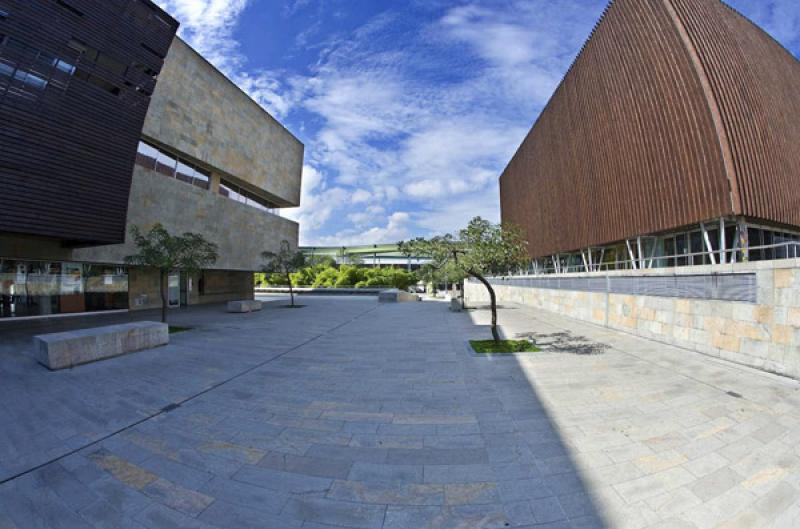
x=234, y=192
x=166, y=164
x=37, y=288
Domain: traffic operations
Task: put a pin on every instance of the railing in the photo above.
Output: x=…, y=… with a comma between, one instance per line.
x=784, y=250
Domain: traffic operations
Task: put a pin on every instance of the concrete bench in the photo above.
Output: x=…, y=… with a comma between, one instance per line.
x=394, y=295
x=245, y=305
x=67, y=349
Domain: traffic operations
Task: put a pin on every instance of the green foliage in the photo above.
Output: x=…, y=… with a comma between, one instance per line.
x=167, y=253
x=286, y=262
x=503, y=346
x=326, y=278
x=158, y=249
x=482, y=248
x=349, y=276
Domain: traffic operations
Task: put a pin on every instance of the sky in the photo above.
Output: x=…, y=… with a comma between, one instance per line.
x=408, y=110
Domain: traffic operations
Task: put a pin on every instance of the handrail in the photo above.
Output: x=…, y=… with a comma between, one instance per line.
x=792, y=249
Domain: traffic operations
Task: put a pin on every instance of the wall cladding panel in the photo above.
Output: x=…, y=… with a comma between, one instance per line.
x=635, y=139
x=69, y=129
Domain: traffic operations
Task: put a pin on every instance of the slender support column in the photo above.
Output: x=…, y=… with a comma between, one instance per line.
x=640, y=255
x=722, y=249
x=630, y=254
x=707, y=240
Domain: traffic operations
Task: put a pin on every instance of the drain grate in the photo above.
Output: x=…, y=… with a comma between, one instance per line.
x=734, y=394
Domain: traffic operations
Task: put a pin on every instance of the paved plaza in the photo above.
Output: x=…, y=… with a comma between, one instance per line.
x=349, y=413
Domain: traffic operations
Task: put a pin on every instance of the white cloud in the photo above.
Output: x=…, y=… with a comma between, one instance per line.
x=411, y=122
x=209, y=25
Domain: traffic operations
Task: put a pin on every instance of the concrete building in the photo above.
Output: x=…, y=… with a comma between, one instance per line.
x=660, y=187
x=368, y=255
x=203, y=157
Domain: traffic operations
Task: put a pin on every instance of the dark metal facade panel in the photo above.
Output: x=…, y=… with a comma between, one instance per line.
x=634, y=139
x=75, y=84
x=755, y=82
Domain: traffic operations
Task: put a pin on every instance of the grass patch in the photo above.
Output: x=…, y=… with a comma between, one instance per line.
x=175, y=329
x=503, y=346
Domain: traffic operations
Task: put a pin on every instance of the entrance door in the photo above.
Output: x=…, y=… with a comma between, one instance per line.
x=174, y=290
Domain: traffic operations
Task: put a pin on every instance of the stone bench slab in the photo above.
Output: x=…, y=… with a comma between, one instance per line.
x=246, y=305
x=67, y=349
x=394, y=295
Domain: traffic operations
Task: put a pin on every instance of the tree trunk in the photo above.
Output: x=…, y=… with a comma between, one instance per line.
x=493, y=299
x=162, y=287
x=291, y=292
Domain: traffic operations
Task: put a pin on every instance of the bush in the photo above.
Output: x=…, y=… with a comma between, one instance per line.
x=323, y=275
x=326, y=278
x=349, y=276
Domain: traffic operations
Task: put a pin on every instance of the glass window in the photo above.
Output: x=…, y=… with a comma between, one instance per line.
x=184, y=172
x=165, y=164
x=65, y=67
x=669, y=250
x=202, y=178
x=146, y=155
x=754, y=240
x=681, y=248
x=768, y=240
x=697, y=247
x=6, y=69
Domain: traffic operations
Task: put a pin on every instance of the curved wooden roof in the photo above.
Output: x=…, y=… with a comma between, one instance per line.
x=675, y=112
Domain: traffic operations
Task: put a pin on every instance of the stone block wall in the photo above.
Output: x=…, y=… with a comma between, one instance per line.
x=764, y=335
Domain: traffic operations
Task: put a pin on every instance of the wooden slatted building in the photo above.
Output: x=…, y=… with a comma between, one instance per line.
x=676, y=112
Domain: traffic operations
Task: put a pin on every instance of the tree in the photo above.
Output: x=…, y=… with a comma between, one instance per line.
x=480, y=249
x=286, y=261
x=167, y=253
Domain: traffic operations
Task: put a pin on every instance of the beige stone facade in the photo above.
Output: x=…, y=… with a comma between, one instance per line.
x=241, y=232
x=765, y=335
x=199, y=112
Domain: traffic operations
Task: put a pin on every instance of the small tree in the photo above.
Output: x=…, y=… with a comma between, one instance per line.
x=167, y=253
x=480, y=249
x=285, y=262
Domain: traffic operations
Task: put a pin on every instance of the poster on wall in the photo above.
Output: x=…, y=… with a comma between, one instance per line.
x=71, y=279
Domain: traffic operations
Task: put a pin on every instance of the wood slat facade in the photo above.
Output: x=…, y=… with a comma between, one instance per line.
x=75, y=84
x=675, y=112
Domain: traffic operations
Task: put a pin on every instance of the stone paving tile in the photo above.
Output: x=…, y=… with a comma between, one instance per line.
x=412, y=433
x=282, y=481
x=310, y=466
x=337, y=513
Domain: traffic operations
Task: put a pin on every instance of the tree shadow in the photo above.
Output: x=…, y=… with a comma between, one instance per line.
x=564, y=342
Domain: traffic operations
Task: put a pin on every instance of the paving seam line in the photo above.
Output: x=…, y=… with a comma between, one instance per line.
x=178, y=404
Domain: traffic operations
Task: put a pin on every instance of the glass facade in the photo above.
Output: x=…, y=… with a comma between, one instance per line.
x=234, y=192
x=690, y=247
x=39, y=288
x=169, y=165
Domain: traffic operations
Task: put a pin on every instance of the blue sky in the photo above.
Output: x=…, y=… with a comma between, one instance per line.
x=409, y=110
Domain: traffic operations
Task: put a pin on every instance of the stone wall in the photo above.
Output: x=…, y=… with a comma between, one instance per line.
x=241, y=232
x=198, y=111
x=218, y=286
x=765, y=335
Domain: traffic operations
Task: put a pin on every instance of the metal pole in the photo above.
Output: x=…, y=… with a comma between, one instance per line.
x=630, y=253
x=707, y=240
x=722, y=256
